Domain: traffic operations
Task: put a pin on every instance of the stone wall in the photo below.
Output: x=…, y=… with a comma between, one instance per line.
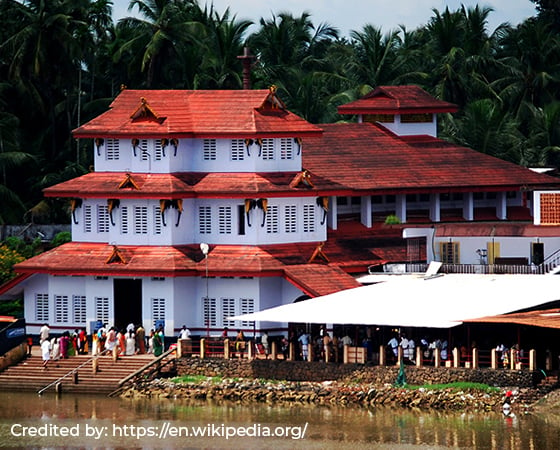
x=321, y=371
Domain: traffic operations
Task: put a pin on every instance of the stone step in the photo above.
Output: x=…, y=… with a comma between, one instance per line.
x=29, y=374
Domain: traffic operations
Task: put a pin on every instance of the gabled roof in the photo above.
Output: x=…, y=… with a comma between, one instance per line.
x=196, y=114
x=185, y=185
x=367, y=157
x=290, y=261
x=397, y=100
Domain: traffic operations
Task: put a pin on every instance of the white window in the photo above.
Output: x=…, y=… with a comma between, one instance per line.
x=157, y=220
x=143, y=149
x=87, y=219
x=290, y=218
x=228, y=310
x=237, y=150
x=61, y=306
x=79, y=309
x=286, y=148
x=308, y=218
x=140, y=220
x=102, y=219
x=224, y=219
x=124, y=219
x=204, y=219
x=247, y=307
x=158, y=309
x=209, y=149
x=158, y=150
x=102, y=309
x=209, y=312
x=42, y=308
x=272, y=219
x=267, y=149
x=112, y=149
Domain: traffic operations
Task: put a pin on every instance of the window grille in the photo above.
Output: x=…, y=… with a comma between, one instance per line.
x=88, y=219
x=112, y=149
x=157, y=220
x=102, y=219
x=140, y=220
x=209, y=312
x=267, y=149
x=224, y=219
x=247, y=307
x=290, y=218
x=272, y=219
x=102, y=309
x=42, y=308
x=228, y=310
x=308, y=218
x=237, y=150
x=61, y=306
x=143, y=147
x=124, y=219
x=286, y=148
x=79, y=309
x=204, y=219
x=158, y=309
x=209, y=150
x=158, y=150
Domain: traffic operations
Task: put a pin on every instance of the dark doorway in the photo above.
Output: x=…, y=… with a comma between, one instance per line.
x=127, y=302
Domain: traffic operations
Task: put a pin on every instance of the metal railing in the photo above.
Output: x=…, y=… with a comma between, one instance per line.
x=153, y=367
x=486, y=269
x=72, y=372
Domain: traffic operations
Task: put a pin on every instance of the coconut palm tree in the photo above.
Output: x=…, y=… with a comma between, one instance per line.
x=160, y=38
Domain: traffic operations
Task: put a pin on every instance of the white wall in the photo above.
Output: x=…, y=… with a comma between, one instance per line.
x=152, y=158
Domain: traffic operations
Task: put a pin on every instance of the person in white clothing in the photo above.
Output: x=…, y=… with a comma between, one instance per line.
x=46, y=353
x=185, y=333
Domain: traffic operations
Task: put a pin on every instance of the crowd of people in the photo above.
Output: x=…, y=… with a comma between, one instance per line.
x=105, y=340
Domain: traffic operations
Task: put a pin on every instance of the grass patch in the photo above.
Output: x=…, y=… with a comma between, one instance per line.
x=457, y=386
x=195, y=379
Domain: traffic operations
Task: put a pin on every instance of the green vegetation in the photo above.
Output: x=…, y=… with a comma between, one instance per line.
x=196, y=379
x=391, y=219
x=457, y=386
x=62, y=62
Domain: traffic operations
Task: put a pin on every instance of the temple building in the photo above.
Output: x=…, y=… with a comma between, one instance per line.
x=204, y=205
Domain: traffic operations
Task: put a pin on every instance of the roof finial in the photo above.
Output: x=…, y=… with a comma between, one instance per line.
x=247, y=60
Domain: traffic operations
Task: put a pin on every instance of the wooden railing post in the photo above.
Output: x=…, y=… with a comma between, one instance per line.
x=382, y=356
x=493, y=359
x=475, y=358
x=419, y=357
x=273, y=350
x=437, y=357
x=250, y=350
x=202, y=348
x=456, y=361
x=226, y=349
x=532, y=360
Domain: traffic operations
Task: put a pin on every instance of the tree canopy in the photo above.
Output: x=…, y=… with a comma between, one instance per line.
x=63, y=61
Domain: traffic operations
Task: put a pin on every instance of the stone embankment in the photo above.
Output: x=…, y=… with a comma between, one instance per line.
x=346, y=384
x=326, y=393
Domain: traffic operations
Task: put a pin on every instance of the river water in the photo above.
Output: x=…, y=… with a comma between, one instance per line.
x=96, y=422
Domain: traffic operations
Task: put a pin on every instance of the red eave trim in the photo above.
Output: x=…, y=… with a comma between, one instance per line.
x=368, y=110
x=192, y=135
x=14, y=282
x=152, y=273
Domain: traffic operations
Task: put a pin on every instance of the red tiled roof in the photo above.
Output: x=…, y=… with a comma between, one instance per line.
x=366, y=157
x=196, y=114
x=316, y=280
x=289, y=260
x=397, y=100
x=496, y=229
x=184, y=185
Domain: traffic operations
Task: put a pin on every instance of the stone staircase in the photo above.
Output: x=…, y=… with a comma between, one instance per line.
x=29, y=375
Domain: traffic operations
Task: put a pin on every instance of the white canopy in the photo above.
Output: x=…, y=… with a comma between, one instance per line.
x=412, y=301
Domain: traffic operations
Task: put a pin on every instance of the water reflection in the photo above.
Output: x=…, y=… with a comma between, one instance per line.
x=326, y=427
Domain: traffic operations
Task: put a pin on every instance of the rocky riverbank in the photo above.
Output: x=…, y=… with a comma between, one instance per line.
x=331, y=393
